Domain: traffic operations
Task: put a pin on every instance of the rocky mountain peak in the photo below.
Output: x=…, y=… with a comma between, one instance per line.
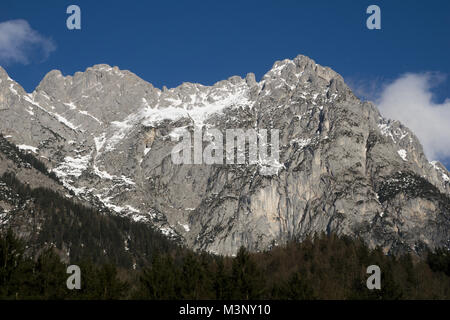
x=304, y=68
x=342, y=167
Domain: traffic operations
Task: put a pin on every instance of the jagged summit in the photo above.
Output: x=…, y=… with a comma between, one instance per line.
x=297, y=65
x=343, y=168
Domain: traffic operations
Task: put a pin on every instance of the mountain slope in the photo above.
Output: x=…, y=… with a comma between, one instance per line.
x=43, y=214
x=343, y=168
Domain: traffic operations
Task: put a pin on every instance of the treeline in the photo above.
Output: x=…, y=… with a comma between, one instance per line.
x=81, y=231
x=328, y=267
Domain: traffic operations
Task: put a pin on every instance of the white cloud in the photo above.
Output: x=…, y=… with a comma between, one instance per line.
x=19, y=43
x=409, y=99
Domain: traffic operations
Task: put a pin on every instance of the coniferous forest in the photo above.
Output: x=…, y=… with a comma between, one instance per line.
x=122, y=259
x=328, y=267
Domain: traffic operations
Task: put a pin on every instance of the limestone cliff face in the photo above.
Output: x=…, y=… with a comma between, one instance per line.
x=343, y=167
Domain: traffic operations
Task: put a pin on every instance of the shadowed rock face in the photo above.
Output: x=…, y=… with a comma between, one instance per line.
x=343, y=167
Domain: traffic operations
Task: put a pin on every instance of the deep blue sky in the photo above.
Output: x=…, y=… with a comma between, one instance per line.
x=168, y=42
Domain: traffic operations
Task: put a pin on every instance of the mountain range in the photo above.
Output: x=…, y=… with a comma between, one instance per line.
x=103, y=138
